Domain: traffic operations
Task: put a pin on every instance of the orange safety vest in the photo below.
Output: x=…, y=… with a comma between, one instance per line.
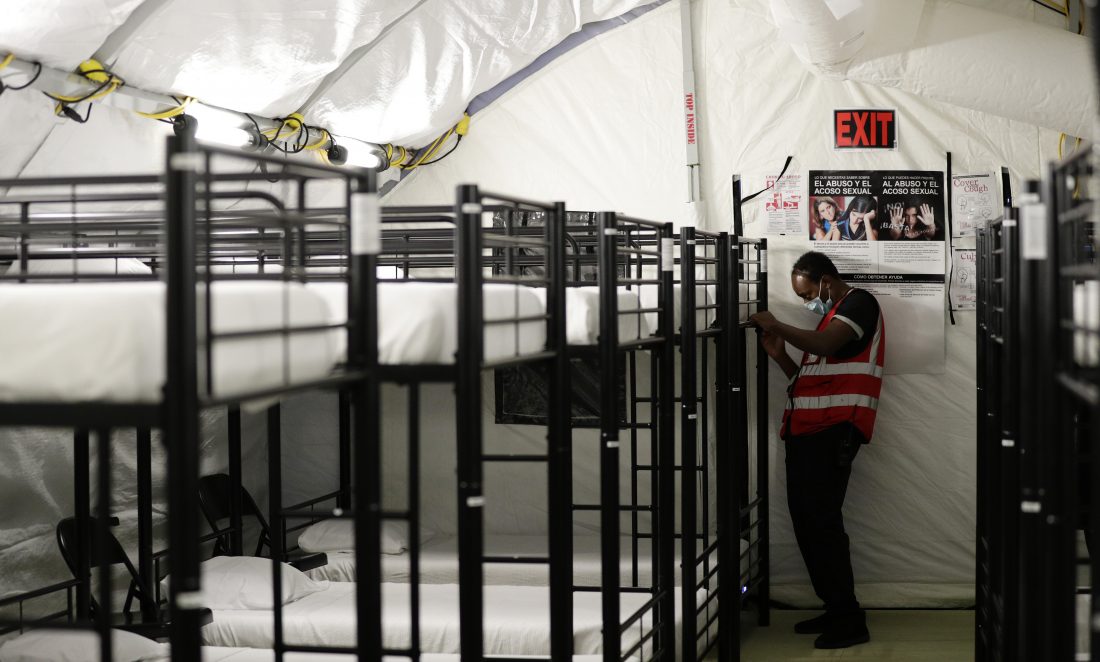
x=830, y=391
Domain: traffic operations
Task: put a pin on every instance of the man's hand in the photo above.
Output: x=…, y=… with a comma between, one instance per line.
x=773, y=345
x=764, y=320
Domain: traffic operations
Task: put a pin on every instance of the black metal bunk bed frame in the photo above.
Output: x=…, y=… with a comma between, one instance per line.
x=1067, y=470
x=188, y=242
x=998, y=448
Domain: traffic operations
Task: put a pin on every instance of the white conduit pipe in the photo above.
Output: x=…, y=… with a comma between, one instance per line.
x=949, y=52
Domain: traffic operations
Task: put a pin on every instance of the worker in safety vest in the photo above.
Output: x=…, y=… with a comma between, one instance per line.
x=833, y=396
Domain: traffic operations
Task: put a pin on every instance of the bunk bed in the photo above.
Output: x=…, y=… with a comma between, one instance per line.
x=704, y=302
x=1065, y=466
x=192, y=339
x=997, y=600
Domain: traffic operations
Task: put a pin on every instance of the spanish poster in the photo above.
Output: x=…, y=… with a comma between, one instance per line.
x=885, y=231
x=974, y=202
x=865, y=205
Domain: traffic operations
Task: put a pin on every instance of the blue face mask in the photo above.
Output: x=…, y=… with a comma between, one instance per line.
x=820, y=307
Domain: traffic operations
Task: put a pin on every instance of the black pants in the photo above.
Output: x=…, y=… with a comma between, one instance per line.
x=818, y=467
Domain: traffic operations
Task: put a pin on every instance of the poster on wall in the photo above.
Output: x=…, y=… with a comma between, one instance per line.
x=884, y=230
x=974, y=202
x=783, y=204
x=864, y=205
x=964, y=283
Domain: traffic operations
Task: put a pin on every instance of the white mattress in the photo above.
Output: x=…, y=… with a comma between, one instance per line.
x=418, y=321
x=516, y=620
x=704, y=295
x=439, y=562
x=582, y=315
x=105, y=342
x=1086, y=317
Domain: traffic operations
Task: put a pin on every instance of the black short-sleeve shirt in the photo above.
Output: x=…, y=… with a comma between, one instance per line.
x=860, y=311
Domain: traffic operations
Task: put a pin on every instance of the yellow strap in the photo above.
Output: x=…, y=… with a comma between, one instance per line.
x=171, y=112
x=7, y=60
x=320, y=143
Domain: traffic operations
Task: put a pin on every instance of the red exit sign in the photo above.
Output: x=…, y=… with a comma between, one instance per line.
x=865, y=129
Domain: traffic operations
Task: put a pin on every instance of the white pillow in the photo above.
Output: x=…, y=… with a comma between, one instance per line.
x=244, y=582
x=338, y=535
x=78, y=646
x=86, y=266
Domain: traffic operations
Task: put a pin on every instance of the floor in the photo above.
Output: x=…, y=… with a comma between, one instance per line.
x=896, y=635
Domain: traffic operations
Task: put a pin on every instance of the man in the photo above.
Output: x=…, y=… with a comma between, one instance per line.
x=830, y=411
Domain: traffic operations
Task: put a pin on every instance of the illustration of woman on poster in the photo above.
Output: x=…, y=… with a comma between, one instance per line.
x=857, y=222
x=823, y=213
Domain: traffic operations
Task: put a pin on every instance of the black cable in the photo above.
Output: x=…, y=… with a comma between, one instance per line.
x=111, y=79
x=438, y=159
x=71, y=113
x=37, y=73
x=782, y=172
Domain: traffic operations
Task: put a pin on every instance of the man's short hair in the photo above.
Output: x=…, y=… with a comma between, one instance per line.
x=814, y=265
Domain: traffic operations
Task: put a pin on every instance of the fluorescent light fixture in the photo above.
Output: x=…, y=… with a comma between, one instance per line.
x=364, y=155
x=223, y=127
x=223, y=135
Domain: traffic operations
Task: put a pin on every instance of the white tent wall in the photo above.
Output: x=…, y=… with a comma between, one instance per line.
x=602, y=129
x=36, y=485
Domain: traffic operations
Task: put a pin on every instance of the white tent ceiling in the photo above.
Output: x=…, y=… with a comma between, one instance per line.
x=405, y=70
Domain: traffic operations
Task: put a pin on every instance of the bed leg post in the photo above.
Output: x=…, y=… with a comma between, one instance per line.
x=729, y=576
x=609, y=437
x=762, y=445
x=81, y=496
x=471, y=499
x=365, y=411
x=688, y=442
x=275, y=522
x=236, y=535
x=181, y=419
x=145, y=521
x=666, y=439
x=344, y=440
x=559, y=442
x=99, y=545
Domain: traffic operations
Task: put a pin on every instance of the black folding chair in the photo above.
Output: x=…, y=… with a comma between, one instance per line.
x=215, y=499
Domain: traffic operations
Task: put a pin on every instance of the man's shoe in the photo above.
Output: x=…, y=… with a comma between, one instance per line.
x=843, y=635
x=815, y=625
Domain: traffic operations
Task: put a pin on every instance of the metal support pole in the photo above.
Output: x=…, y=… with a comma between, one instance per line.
x=665, y=536
x=146, y=569
x=344, y=442
x=365, y=397
x=762, y=446
x=275, y=523
x=609, y=436
x=100, y=550
x=236, y=508
x=471, y=500
x=688, y=443
x=82, y=511
x=181, y=431
x=729, y=575
x=560, y=447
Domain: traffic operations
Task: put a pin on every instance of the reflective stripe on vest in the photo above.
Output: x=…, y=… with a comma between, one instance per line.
x=830, y=391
